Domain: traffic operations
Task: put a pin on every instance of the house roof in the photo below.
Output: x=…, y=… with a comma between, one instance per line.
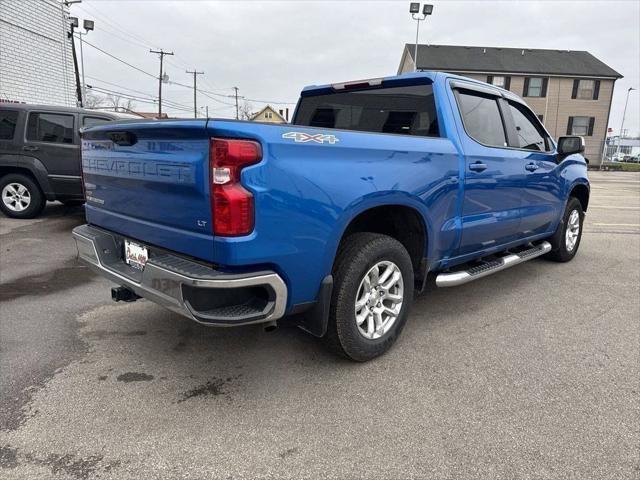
x=456, y=58
x=268, y=107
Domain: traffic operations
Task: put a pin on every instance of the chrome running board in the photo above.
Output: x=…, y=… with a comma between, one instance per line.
x=453, y=279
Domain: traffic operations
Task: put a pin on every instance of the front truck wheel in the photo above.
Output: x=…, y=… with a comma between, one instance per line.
x=566, y=240
x=371, y=298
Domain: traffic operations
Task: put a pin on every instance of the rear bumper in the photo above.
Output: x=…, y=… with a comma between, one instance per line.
x=197, y=291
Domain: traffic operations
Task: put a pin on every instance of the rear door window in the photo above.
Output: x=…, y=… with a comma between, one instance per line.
x=481, y=117
x=8, y=122
x=92, y=121
x=406, y=110
x=50, y=127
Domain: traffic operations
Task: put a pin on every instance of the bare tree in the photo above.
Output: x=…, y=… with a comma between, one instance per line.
x=245, y=111
x=119, y=103
x=93, y=100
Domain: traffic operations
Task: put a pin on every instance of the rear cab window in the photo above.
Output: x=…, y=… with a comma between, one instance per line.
x=405, y=110
x=50, y=127
x=8, y=123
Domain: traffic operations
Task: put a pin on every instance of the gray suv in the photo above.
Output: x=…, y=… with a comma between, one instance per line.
x=40, y=156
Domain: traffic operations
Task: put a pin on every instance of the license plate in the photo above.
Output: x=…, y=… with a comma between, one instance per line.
x=135, y=255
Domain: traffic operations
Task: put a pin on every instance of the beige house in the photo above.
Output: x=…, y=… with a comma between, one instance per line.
x=570, y=91
x=268, y=114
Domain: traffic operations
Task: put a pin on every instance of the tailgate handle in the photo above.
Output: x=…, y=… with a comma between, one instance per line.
x=124, y=139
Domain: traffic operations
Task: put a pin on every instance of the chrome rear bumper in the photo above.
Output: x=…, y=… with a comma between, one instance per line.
x=192, y=289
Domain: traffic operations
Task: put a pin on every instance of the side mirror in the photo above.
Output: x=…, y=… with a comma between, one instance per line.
x=569, y=145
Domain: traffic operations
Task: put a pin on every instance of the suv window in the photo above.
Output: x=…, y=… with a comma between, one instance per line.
x=529, y=133
x=8, y=121
x=407, y=110
x=50, y=127
x=481, y=118
x=92, y=121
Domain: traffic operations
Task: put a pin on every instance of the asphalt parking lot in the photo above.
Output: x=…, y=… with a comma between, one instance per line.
x=530, y=373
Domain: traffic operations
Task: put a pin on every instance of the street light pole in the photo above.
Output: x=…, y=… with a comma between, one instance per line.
x=414, y=10
x=88, y=25
x=624, y=113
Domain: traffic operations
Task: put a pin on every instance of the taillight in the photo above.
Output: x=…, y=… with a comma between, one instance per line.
x=231, y=204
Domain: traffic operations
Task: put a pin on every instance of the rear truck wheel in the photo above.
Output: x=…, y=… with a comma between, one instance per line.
x=566, y=241
x=20, y=196
x=371, y=298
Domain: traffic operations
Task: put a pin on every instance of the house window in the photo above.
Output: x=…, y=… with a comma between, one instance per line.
x=535, y=87
x=582, y=126
x=585, y=89
x=499, y=81
x=268, y=114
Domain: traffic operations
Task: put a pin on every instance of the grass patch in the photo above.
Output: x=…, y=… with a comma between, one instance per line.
x=620, y=167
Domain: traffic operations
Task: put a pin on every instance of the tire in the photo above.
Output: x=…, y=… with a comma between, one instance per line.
x=20, y=196
x=360, y=254
x=564, y=244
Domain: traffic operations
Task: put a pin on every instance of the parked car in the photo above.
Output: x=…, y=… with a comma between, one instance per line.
x=40, y=156
x=377, y=187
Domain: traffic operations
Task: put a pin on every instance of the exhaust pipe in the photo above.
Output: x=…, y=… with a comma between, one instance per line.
x=123, y=294
x=271, y=326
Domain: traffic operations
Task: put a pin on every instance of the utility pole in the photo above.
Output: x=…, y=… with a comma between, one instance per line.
x=195, y=73
x=162, y=53
x=237, y=111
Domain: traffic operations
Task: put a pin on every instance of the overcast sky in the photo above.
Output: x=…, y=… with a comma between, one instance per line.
x=270, y=50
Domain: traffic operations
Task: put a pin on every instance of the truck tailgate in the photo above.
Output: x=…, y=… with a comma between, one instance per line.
x=149, y=180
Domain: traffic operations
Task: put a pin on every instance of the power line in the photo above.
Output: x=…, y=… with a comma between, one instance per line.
x=120, y=60
x=128, y=96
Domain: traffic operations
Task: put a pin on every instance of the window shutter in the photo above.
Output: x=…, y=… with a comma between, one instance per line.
x=592, y=120
x=507, y=83
x=596, y=90
x=525, y=90
x=570, y=126
x=545, y=82
x=489, y=78
x=574, y=92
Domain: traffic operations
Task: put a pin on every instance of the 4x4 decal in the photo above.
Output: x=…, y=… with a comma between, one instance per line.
x=302, y=137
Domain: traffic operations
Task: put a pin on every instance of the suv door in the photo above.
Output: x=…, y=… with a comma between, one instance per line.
x=52, y=137
x=542, y=196
x=492, y=177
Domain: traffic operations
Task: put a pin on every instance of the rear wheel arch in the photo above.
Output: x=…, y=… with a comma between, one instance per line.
x=401, y=222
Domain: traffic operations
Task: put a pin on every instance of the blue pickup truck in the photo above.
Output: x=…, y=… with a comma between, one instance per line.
x=376, y=189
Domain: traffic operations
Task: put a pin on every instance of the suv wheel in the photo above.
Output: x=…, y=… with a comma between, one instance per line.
x=20, y=197
x=371, y=297
x=566, y=241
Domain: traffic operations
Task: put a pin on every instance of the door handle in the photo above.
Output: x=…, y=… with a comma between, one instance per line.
x=477, y=167
x=532, y=167
x=30, y=148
